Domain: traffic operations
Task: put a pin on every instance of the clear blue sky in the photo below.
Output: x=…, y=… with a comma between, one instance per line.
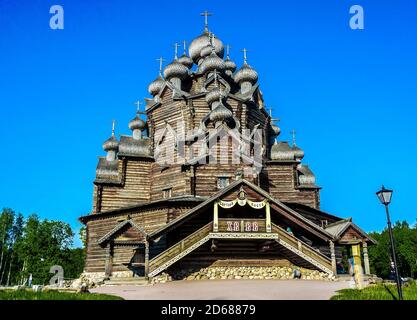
x=351, y=95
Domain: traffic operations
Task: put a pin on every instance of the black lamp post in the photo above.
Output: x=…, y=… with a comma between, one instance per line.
x=384, y=196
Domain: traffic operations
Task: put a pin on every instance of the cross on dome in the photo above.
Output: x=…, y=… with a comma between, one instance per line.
x=176, y=45
x=113, y=126
x=228, y=47
x=184, y=43
x=161, y=61
x=245, y=55
x=270, y=115
x=206, y=14
x=293, y=132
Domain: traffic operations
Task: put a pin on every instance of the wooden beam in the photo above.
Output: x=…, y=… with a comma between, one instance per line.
x=146, y=259
x=333, y=257
x=215, y=217
x=366, y=258
x=268, y=217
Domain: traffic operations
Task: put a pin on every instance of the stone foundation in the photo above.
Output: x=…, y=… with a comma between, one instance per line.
x=258, y=273
x=90, y=279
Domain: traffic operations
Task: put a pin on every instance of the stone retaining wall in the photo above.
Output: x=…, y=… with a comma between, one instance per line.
x=245, y=272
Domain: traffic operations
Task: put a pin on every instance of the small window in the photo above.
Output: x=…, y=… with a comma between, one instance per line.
x=167, y=193
x=222, y=182
x=324, y=223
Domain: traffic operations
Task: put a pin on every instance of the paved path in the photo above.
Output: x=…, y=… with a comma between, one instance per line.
x=229, y=289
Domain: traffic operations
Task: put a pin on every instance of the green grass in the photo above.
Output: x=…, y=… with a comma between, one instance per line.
x=377, y=292
x=52, y=295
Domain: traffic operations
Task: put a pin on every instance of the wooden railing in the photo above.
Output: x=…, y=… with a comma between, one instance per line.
x=302, y=247
x=242, y=225
x=180, y=248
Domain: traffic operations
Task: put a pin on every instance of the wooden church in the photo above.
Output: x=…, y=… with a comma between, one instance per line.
x=172, y=196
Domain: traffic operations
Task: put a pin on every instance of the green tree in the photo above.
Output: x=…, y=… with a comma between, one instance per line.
x=406, y=250
x=6, y=238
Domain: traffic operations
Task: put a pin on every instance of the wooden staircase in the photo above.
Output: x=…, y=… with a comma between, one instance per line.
x=202, y=235
x=302, y=249
x=126, y=281
x=179, y=250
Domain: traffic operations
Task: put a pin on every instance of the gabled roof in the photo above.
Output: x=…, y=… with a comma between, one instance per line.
x=312, y=226
x=303, y=207
x=118, y=227
x=144, y=205
x=337, y=229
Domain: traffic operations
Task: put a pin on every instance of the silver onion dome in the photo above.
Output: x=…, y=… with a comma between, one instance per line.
x=305, y=176
x=137, y=123
x=281, y=151
x=221, y=114
x=156, y=86
x=186, y=61
x=211, y=63
x=230, y=65
x=246, y=74
x=298, y=153
x=213, y=95
x=111, y=144
x=175, y=70
x=275, y=130
x=202, y=41
x=206, y=51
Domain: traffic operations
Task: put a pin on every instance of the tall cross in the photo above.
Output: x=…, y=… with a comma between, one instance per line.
x=293, y=137
x=270, y=115
x=245, y=55
x=138, y=104
x=184, y=43
x=228, y=51
x=176, y=45
x=113, y=126
x=206, y=14
x=161, y=61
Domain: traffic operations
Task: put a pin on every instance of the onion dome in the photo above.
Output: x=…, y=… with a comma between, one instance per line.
x=202, y=41
x=111, y=144
x=175, y=70
x=306, y=176
x=281, y=151
x=156, y=86
x=214, y=95
x=211, y=63
x=275, y=130
x=186, y=61
x=298, y=153
x=221, y=114
x=230, y=65
x=246, y=74
x=137, y=124
x=206, y=51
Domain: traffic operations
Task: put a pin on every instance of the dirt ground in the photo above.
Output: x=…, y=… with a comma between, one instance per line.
x=229, y=290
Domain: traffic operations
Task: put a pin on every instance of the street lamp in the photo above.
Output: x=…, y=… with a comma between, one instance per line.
x=384, y=195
